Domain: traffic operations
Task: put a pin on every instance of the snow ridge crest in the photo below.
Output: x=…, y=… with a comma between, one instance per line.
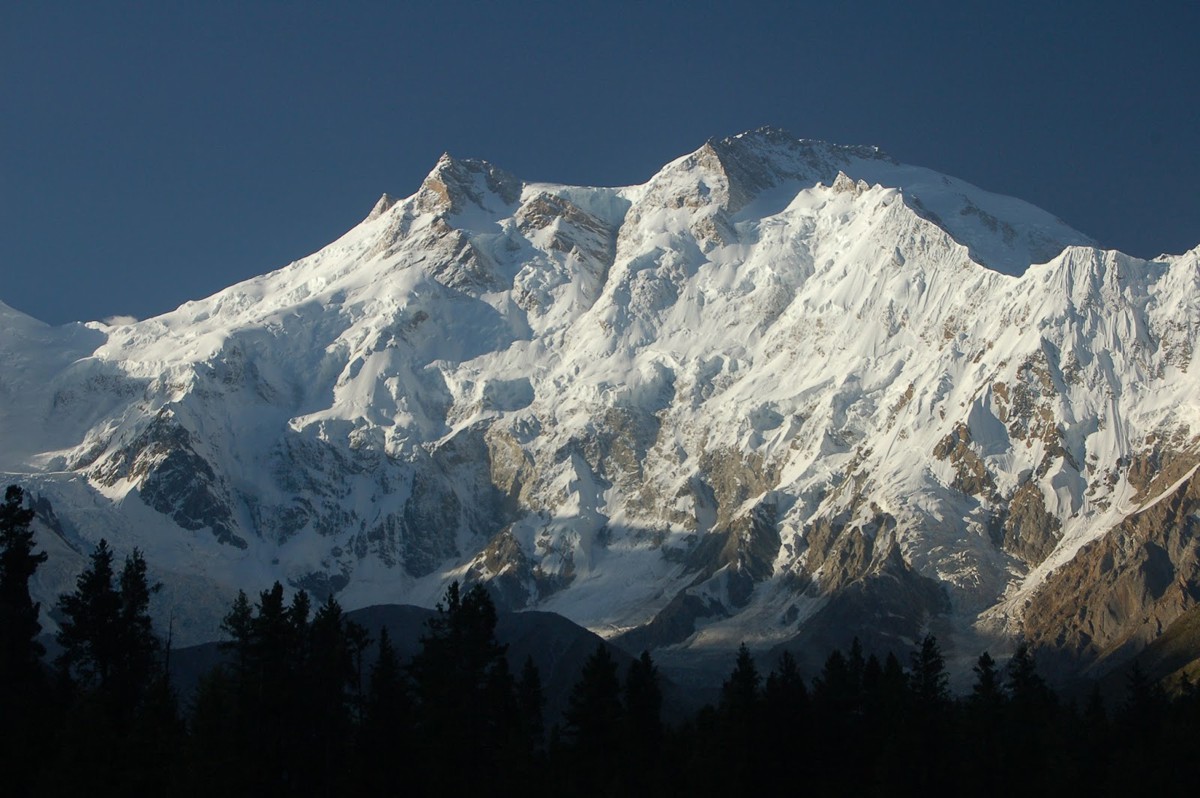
x=776, y=370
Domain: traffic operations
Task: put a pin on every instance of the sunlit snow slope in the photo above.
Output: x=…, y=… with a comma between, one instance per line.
x=783, y=391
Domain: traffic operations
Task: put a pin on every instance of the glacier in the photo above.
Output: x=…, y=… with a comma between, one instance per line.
x=784, y=392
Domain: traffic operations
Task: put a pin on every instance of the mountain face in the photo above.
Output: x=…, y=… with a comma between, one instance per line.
x=784, y=392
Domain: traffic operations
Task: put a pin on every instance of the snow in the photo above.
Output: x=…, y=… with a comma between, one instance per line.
x=821, y=315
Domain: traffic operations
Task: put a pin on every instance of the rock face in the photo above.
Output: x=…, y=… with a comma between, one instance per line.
x=783, y=392
x=1122, y=591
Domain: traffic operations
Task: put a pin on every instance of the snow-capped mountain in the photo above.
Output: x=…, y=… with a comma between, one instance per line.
x=784, y=391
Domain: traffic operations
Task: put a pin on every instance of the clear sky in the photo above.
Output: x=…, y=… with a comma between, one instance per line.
x=152, y=153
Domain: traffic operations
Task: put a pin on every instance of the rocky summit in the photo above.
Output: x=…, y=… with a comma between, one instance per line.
x=784, y=392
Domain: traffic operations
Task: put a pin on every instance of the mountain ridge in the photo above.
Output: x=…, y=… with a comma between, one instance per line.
x=774, y=381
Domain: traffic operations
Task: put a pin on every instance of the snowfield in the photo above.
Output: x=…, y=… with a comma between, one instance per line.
x=704, y=407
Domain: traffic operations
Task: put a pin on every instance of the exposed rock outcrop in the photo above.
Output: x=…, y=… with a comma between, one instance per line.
x=1123, y=590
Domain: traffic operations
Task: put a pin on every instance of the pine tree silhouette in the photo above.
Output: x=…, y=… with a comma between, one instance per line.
x=20, y=651
x=466, y=702
x=23, y=689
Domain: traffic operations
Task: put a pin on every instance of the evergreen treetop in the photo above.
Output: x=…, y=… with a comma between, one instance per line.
x=20, y=651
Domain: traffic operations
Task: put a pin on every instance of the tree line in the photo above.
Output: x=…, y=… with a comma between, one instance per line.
x=307, y=702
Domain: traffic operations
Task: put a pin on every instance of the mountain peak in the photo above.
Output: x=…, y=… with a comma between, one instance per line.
x=751, y=382
x=382, y=206
x=1003, y=233
x=770, y=154
x=844, y=184
x=456, y=184
x=751, y=162
x=783, y=145
x=767, y=134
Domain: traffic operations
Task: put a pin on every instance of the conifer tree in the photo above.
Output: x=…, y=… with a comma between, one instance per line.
x=23, y=693
x=1031, y=696
x=253, y=721
x=594, y=710
x=220, y=744
x=1031, y=709
x=872, y=682
x=387, y=698
x=386, y=738
x=108, y=640
x=885, y=709
x=531, y=701
x=1093, y=737
x=224, y=712
x=983, y=726
x=739, y=693
x=137, y=665
x=740, y=711
x=88, y=633
x=785, y=695
x=893, y=675
x=930, y=691
x=856, y=664
x=595, y=723
x=239, y=625
x=643, y=709
x=786, y=715
x=326, y=714
x=157, y=741
x=20, y=650
x=988, y=691
x=465, y=693
x=930, y=682
x=110, y=657
x=1144, y=706
x=358, y=640
x=834, y=690
x=886, y=692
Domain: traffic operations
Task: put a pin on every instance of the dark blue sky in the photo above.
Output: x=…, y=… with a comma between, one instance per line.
x=153, y=153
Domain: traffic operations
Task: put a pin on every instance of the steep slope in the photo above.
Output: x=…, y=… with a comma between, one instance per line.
x=782, y=387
